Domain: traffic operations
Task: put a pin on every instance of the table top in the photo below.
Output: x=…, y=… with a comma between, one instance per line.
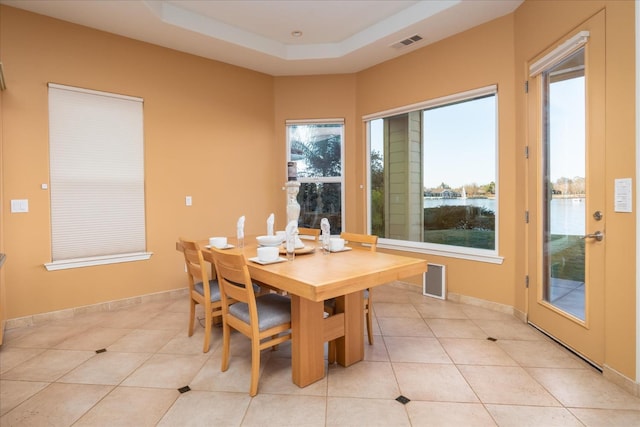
x=317, y=276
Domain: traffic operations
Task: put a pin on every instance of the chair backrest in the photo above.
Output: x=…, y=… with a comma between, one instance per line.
x=196, y=267
x=234, y=280
x=313, y=232
x=362, y=241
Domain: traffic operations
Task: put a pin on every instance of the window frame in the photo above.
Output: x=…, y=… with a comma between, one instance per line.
x=328, y=179
x=482, y=255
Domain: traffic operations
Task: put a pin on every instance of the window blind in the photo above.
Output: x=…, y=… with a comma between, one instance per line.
x=559, y=53
x=96, y=175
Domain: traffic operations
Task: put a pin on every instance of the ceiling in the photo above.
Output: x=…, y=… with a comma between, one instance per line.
x=336, y=36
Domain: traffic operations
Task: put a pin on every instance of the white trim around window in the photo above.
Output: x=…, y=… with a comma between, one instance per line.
x=460, y=252
x=457, y=97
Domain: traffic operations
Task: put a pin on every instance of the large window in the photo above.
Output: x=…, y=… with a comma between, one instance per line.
x=316, y=147
x=97, y=178
x=433, y=174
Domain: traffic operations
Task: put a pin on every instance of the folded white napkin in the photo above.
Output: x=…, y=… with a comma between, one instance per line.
x=270, y=225
x=240, y=228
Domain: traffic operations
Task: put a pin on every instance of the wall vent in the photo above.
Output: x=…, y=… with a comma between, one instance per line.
x=433, y=281
x=406, y=42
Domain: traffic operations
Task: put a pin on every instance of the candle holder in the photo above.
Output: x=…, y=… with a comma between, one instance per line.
x=293, y=207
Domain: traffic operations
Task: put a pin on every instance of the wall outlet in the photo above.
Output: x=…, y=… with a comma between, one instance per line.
x=188, y=201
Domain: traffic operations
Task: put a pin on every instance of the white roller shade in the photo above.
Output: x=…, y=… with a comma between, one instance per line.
x=97, y=174
x=559, y=53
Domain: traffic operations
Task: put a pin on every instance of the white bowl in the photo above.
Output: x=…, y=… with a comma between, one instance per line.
x=269, y=240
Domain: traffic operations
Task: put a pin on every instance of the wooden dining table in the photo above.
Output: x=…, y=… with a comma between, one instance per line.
x=313, y=277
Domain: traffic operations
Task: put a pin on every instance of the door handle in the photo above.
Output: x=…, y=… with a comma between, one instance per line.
x=598, y=235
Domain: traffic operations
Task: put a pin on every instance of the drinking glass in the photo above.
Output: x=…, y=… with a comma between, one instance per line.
x=291, y=247
x=325, y=239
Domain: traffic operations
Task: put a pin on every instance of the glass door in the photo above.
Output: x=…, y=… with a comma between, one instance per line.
x=566, y=192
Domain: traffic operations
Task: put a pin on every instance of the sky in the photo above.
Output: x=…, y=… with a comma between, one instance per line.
x=457, y=152
x=567, y=129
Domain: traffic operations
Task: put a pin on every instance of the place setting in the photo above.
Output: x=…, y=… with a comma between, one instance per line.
x=271, y=245
x=219, y=243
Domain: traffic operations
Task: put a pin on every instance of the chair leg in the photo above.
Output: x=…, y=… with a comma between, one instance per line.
x=369, y=326
x=208, y=319
x=255, y=366
x=368, y=309
x=226, y=343
x=192, y=316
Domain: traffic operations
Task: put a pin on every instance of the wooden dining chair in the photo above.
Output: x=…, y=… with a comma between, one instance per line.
x=266, y=320
x=358, y=242
x=313, y=233
x=203, y=289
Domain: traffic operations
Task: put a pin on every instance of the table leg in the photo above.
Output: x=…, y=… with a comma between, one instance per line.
x=307, y=346
x=350, y=348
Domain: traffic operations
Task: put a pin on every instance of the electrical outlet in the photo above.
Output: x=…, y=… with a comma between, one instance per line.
x=188, y=201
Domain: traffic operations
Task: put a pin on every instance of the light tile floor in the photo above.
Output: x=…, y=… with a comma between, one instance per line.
x=435, y=353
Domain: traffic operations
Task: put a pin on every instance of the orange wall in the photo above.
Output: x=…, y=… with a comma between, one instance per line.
x=216, y=132
x=532, y=38
x=476, y=58
x=323, y=97
x=209, y=133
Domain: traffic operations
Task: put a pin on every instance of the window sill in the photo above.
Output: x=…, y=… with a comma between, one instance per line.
x=468, y=254
x=100, y=260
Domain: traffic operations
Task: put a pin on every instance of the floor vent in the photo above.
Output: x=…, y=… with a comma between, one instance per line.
x=433, y=282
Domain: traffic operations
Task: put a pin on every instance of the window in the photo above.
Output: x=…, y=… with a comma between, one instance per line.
x=316, y=147
x=97, y=178
x=432, y=180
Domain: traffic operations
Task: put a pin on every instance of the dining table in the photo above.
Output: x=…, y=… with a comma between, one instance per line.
x=314, y=276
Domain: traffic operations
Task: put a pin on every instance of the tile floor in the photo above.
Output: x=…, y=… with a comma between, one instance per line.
x=435, y=353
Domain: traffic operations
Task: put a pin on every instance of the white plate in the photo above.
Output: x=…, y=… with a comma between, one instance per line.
x=257, y=260
x=346, y=248
x=226, y=247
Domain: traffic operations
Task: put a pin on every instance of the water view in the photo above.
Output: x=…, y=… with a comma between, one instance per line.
x=567, y=215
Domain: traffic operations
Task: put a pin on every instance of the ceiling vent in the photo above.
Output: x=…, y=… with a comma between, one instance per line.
x=406, y=42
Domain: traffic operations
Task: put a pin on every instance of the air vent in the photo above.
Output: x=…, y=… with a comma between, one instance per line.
x=406, y=42
x=433, y=283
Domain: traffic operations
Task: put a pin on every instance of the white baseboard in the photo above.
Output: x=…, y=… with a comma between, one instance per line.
x=489, y=305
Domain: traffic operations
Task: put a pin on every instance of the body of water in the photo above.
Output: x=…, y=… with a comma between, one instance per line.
x=567, y=215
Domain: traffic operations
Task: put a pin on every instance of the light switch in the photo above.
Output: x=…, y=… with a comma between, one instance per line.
x=187, y=200
x=19, y=205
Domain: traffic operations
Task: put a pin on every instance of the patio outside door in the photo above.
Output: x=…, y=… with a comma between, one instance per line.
x=566, y=202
